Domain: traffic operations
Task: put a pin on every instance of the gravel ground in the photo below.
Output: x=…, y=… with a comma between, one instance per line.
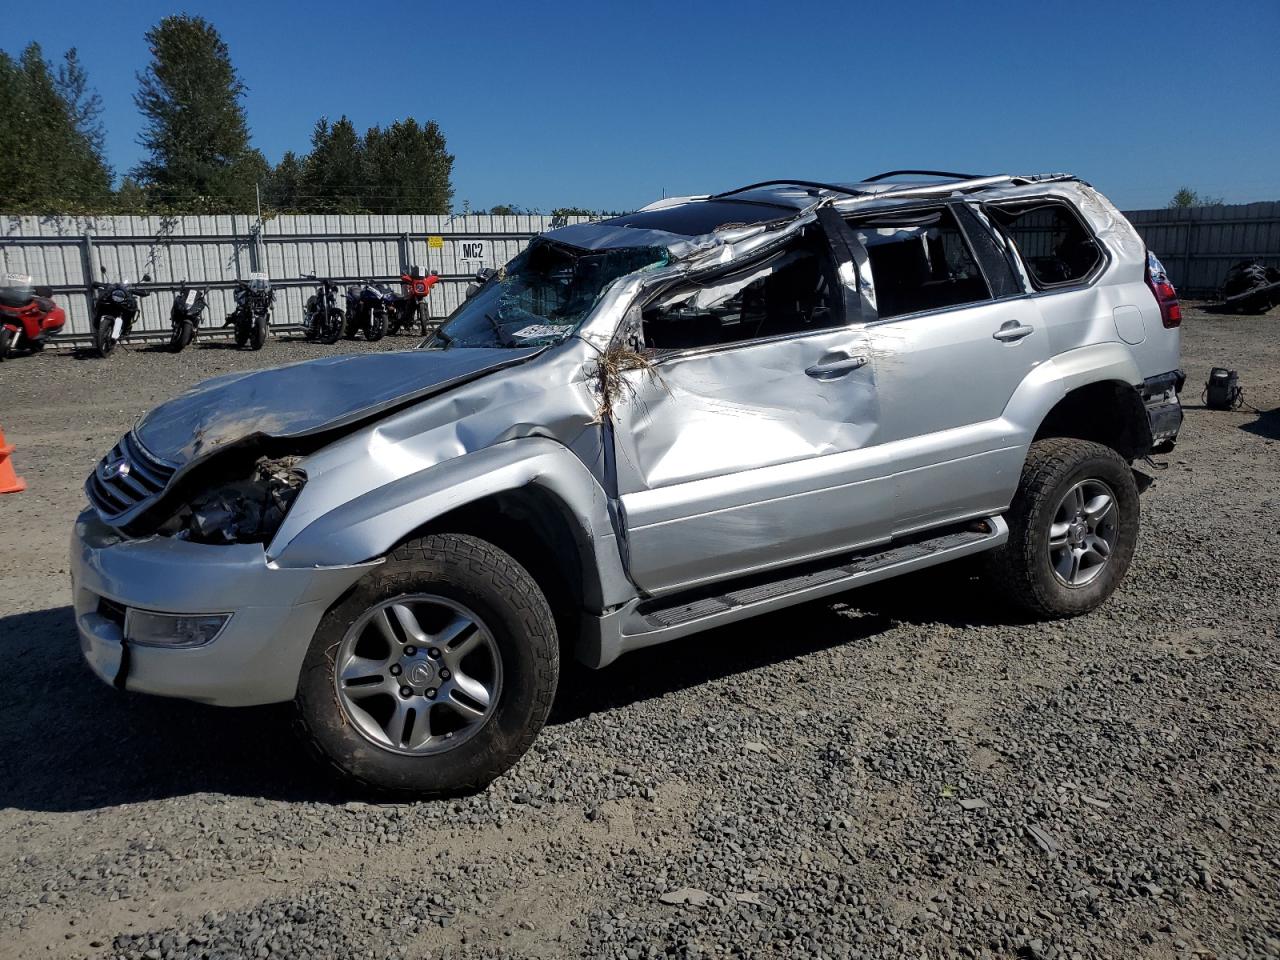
x=913, y=771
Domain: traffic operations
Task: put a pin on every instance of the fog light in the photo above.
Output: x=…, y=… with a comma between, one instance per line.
x=173, y=629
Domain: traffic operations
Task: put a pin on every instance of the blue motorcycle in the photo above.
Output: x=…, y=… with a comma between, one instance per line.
x=368, y=307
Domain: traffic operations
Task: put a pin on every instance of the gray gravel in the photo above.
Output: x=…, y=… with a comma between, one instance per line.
x=913, y=771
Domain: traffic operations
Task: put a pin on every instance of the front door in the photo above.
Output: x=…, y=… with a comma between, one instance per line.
x=745, y=444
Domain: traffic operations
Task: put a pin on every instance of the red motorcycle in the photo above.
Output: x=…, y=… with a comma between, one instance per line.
x=406, y=312
x=28, y=316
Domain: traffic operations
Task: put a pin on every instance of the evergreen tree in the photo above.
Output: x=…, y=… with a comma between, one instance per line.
x=333, y=174
x=283, y=189
x=51, y=138
x=195, y=128
x=407, y=168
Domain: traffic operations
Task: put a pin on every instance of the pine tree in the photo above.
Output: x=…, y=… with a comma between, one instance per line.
x=408, y=168
x=333, y=176
x=195, y=126
x=51, y=139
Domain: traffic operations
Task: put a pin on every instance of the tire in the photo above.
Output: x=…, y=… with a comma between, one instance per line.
x=1054, y=580
x=182, y=334
x=6, y=343
x=337, y=323
x=102, y=341
x=377, y=328
x=258, y=332
x=242, y=335
x=515, y=644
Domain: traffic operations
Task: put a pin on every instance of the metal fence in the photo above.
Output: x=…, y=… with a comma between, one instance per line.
x=1197, y=244
x=67, y=253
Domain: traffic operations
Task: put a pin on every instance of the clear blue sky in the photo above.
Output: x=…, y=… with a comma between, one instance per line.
x=606, y=105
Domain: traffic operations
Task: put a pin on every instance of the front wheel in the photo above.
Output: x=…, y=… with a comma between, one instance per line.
x=258, y=332
x=181, y=336
x=6, y=343
x=333, y=333
x=377, y=327
x=435, y=674
x=103, y=341
x=1073, y=527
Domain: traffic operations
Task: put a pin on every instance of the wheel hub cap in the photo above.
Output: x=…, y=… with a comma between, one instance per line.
x=1083, y=532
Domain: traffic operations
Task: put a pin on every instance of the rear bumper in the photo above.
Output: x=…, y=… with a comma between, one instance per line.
x=255, y=659
x=1164, y=409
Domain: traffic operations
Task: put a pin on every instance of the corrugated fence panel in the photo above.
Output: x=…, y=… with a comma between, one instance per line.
x=1198, y=246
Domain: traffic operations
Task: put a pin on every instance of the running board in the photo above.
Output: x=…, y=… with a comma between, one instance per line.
x=644, y=623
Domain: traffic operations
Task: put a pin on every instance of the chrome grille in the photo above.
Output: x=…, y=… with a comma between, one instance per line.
x=125, y=478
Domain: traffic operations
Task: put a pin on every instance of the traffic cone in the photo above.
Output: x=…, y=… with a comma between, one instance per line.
x=10, y=482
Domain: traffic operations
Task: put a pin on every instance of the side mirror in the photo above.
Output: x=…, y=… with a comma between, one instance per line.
x=46, y=292
x=146, y=278
x=485, y=274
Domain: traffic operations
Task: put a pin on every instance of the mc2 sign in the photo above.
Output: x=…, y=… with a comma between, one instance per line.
x=473, y=250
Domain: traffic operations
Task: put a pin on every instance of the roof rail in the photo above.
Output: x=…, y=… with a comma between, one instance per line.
x=834, y=187
x=925, y=173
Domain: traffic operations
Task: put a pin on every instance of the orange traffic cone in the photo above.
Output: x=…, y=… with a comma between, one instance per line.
x=10, y=482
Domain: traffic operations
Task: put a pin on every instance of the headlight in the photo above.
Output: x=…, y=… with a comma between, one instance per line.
x=246, y=511
x=173, y=629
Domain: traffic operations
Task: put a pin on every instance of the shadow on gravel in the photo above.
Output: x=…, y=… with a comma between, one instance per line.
x=69, y=742
x=1267, y=425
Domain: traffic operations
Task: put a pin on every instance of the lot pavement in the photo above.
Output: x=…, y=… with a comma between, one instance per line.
x=912, y=771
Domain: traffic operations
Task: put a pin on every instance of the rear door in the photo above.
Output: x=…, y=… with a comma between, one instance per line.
x=954, y=337
x=744, y=443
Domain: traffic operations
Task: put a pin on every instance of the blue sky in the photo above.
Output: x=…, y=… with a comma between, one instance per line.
x=607, y=105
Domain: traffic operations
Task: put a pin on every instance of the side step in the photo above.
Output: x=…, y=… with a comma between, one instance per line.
x=643, y=624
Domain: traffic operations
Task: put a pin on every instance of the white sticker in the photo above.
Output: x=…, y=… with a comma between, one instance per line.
x=539, y=330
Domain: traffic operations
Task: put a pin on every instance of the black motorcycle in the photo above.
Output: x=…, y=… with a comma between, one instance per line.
x=188, y=305
x=368, y=305
x=114, y=309
x=322, y=318
x=254, y=300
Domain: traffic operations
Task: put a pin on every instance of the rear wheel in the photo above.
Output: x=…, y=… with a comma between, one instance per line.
x=1073, y=527
x=435, y=674
x=6, y=343
x=103, y=342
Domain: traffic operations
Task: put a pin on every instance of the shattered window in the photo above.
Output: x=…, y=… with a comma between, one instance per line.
x=1054, y=244
x=790, y=292
x=920, y=261
x=541, y=297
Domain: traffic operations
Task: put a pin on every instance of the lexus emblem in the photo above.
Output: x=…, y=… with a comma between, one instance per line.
x=115, y=470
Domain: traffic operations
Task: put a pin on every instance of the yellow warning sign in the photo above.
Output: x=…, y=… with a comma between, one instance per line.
x=435, y=243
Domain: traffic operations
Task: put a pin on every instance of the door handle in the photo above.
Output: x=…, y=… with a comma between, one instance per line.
x=835, y=368
x=1013, y=330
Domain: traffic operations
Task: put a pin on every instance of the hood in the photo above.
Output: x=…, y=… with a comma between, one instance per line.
x=307, y=398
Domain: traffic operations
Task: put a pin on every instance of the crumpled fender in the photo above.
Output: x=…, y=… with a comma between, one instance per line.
x=369, y=525
x=1052, y=380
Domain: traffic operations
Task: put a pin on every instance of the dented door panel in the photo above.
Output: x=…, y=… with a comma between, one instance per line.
x=736, y=459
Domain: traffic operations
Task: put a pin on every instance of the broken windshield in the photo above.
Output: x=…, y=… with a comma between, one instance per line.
x=540, y=297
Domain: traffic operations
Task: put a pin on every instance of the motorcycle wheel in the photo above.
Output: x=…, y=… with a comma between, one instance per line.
x=337, y=323
x=182, y=334
x=377, y=328
x=258, y=335
x=6, y=343
x=102, y=340
x=421, y=313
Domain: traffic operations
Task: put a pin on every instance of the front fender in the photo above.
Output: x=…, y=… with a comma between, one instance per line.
x=371, y=524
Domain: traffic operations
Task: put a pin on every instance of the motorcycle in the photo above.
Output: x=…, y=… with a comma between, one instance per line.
x=114, y=309
x=406, y=310
x=28, y=315
x=367, y=306
x=184, y=316
x=254, y=300
x=322, y=319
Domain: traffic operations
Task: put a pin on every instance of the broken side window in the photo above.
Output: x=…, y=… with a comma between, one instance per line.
x=920, y=260
x=1053, y=242
x=787, y=293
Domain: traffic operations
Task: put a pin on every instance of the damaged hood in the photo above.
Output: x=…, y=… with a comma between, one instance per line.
x=309, y=397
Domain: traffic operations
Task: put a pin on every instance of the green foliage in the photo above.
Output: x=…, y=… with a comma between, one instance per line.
x=195, y=129
x=1186, y=197
x=51, y=138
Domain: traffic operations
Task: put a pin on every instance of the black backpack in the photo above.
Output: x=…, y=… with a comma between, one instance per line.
x=1223, y=390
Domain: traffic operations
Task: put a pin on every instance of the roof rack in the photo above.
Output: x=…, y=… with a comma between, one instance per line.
x=834, y=187
x=925, y=173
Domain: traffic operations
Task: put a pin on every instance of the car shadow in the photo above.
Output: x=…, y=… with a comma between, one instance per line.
x=1267, y=425
x=69, y=742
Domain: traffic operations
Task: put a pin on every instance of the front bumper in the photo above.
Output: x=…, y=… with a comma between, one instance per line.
x=1164, y=409
x=257, y=656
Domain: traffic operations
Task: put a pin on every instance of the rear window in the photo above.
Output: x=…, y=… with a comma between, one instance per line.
x=1055, y=245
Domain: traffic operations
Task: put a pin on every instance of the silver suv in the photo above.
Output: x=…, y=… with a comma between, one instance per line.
x=637, y=430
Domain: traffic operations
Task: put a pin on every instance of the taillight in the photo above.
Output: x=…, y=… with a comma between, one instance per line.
x=1166, y=296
